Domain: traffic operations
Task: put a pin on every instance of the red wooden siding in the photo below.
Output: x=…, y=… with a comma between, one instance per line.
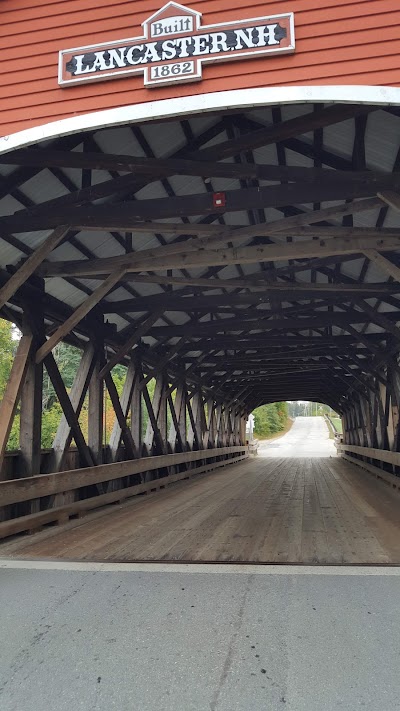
x=337, y=42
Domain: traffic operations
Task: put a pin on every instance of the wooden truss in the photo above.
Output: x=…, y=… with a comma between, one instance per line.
x=283, y=284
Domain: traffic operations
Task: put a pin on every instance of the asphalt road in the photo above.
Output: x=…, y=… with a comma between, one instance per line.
x=308, y=437
x=207, y=639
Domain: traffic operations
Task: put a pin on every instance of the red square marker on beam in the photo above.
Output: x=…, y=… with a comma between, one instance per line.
x=219, y=200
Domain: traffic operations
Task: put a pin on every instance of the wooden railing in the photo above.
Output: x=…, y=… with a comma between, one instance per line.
x=253, y=446
x=13, y=463
x=75, y=482
x=381, y=455
x=378, y=455
x=337, y=436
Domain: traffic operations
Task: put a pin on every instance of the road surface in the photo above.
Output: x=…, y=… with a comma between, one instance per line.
x=207, y=639
x=308, y=437
x=139, y=637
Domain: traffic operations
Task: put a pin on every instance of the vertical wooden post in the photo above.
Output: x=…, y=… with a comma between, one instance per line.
x=123, y=429
x=374, y=422
x=153, y=435
x=136, y=410
x=384, y=399
x=395, y=390
x=363, y=423
x=208, y=414
x=389, y=418
x=96, y=409
x=68, y=410
x=202, y=421
x=356, y=421
x=212, y=424
x=162, y=410
x=231, y=427
x=30, y=434
x=77, y=396
x=176, y=406
x=218, y=425
x=243, y=423
x=182, y=416
x=9, y=403
x=236, y=428
x=193, y=411
x=125, y=402
x=222, y=428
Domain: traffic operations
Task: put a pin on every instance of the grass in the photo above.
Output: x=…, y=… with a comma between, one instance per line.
x=330, y=429
x=338, y=424
x=275, y=435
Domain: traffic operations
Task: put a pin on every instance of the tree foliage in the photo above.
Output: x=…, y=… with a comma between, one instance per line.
x=7, y=350
x=308, y=409
x=67, y=358
x=271, y=418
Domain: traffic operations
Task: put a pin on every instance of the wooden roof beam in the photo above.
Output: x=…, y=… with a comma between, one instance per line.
x=32, y=263
x=383, y=263
x=126, y=214
x=319, y=320
x=302, y=291
x=256, y=343
x=155, y=168
x=131, y=342
x=78, y=315
x=390, y=198
x=348, y=244
x=275, y=133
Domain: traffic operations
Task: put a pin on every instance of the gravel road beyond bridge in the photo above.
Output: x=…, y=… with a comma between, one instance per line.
x=308, y=437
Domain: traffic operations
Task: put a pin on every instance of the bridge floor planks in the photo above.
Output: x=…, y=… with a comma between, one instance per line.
x=312, y=511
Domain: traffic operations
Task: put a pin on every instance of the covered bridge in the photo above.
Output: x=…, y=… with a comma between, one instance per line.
x=236, y=239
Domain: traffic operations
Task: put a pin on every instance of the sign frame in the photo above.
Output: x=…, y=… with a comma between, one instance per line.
x=196, y=62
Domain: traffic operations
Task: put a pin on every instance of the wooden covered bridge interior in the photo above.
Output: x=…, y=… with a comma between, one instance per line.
x=237, y=259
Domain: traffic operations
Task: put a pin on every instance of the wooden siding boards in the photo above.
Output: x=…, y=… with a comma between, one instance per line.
x=340, y=42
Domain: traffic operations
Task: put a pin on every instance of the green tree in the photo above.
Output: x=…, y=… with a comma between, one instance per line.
x=68, y=359
x=50, y=421
x=8, y=346
x=271, y=418
x=7, y=350
x=13, y=440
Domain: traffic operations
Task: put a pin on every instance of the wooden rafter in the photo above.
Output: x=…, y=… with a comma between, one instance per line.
x=159, y=167
x=229, y=325
x=135, y=337
x=276, y=333
x=308, y=249
x=79, y=314
x=124, y=215
x=383, y=263
x=276, y=133
x=390, y=198
x=31, y=264
x=218, y=301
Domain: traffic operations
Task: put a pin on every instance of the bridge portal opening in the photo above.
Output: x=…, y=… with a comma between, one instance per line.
x=223, y=260
x=294, y=429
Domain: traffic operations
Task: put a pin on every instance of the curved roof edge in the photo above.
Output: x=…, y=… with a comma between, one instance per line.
x=217, y=101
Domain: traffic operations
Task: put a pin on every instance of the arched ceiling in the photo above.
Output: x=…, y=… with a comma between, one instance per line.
x=256, y=251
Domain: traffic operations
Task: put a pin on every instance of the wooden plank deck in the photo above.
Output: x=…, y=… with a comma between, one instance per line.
x=315, y=511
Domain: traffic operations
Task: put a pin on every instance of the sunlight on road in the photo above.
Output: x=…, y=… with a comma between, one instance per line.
x=309, y=437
